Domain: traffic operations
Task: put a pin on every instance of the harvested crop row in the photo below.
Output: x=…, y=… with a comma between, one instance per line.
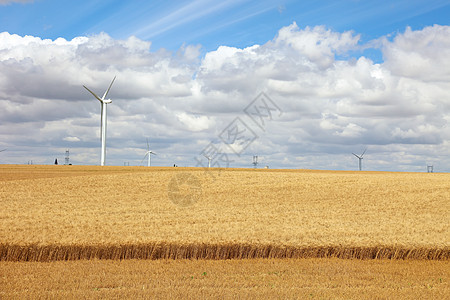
x=208, y=251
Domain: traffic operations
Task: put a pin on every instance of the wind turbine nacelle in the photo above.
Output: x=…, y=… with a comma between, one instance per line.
x=107, y=101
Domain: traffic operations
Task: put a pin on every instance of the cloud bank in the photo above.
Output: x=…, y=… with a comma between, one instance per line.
x=333, y=101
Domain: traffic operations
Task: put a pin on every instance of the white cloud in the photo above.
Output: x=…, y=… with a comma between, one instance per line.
x=333, y=104
x=317, y=44
x=71, y=139
x=421, y=54
x=351, y=130
x=194, y=123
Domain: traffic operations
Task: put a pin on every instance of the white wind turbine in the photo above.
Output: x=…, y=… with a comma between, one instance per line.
x=360, y=157
x=149, y=154
x=103, y=102
x=209, y=160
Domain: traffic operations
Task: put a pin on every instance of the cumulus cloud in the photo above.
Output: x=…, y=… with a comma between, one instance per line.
x=71, y=139
x=318, y=45
x=420, y=54
x=194, y=123
x=333, y=102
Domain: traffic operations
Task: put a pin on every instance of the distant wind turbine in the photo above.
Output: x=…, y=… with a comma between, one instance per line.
x=103, y=102
x=360, y=157
x=149, y=154
x=209, y=160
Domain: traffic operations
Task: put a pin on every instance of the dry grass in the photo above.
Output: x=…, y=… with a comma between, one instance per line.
x=71, y=212
x=226, y=279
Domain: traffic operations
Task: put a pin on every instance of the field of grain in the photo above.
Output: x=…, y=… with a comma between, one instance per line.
x=226, y=279
x=135, y=232
x=75, y=212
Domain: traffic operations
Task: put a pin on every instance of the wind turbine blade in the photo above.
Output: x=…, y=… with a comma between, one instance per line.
x=107, y=91
x=93, y=94
x=144, y=158
x=2, y=150
x=148, y=146
x=356, y=155
x=363, y=152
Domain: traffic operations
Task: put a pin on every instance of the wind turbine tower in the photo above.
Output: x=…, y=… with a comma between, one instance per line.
x=66, y=159
x=209, y=160
x=149, y=154
x=103, y=103
x=255, y=161
x=360, y=158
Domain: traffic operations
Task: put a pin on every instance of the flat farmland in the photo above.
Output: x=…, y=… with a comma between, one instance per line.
x=223, y=223
x=275, y=210
x=329, y=278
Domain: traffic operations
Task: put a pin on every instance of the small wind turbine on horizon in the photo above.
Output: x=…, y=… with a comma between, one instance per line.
x=103, y=102
x=149, y=154
x=255, y=161
x=360, y=158
x=209, y=160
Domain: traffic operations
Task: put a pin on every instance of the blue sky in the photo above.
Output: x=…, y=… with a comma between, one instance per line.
x=347, y=75
x=170, y=24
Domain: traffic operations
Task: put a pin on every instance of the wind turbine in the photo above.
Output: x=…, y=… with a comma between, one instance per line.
x=360, y=157
x=149, y=154
x=103, y=102
x=209, y=160
x=255, y=161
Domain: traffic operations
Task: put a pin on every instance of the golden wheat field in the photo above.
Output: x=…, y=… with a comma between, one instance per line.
x=58, y=217
x=60, y=212
x=329, y=278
